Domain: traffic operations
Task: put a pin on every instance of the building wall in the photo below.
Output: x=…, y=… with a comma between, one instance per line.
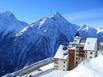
x=77, y=58
x=74, y=58
x=90, y=54
x=60, y=64
x=76, y=40
x=81, y=53
x=71, y=59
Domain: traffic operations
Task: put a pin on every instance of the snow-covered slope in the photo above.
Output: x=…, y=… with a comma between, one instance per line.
x=88, y=68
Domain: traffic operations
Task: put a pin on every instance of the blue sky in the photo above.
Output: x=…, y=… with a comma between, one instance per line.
x=79, y=12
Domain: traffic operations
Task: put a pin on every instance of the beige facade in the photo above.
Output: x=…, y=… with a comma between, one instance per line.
x=61, y=58
x=91, y=48
x=90, y=54
x=60, y=64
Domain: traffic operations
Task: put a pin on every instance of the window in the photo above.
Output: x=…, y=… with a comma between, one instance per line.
x=63, y=65
x=77, y=58
x=77, y=54
x=30, y=76
x=76, y=62
x=63, y=69
x=65, y=48
x=77, y=50
x=91, y=53
x=77, y=46
x=75, y=40
x=90, y=57
x=56, y=67
x=64, y=53
x=64, y=62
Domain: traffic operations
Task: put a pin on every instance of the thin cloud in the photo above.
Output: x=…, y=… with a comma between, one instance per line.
x=87, y=14
x=93, y=17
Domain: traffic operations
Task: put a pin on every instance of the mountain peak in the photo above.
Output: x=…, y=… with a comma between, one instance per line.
x=7, y=14
x=9, y=23
x=84, y=26
x=56, y=15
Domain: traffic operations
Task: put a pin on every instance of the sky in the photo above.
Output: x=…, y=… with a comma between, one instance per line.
x=78, y=12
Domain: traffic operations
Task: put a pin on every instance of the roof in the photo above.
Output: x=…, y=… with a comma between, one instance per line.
x=48, y=66
x=90, y=44
x=61, y=54
x=72, y=48
x=82, y=44
x=76, y=40
x=55, y=73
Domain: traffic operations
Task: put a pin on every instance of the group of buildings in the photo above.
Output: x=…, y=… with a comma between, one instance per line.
x=68, y=56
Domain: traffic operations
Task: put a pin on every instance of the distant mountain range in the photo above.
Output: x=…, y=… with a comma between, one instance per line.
x=22, y=44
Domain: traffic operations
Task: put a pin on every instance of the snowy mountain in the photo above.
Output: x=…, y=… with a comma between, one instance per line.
x=88, y=68
x=43, y=37
x=86, y=31
x=22, y=44
x=9, y=26
x=9, y=23
x=100, y=33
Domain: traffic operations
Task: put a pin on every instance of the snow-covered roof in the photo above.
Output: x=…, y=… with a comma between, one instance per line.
x=55, y=73
x=72, y=48
x=82, y=44
x=61, y=54
x=48, y=66
x=90, y=44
